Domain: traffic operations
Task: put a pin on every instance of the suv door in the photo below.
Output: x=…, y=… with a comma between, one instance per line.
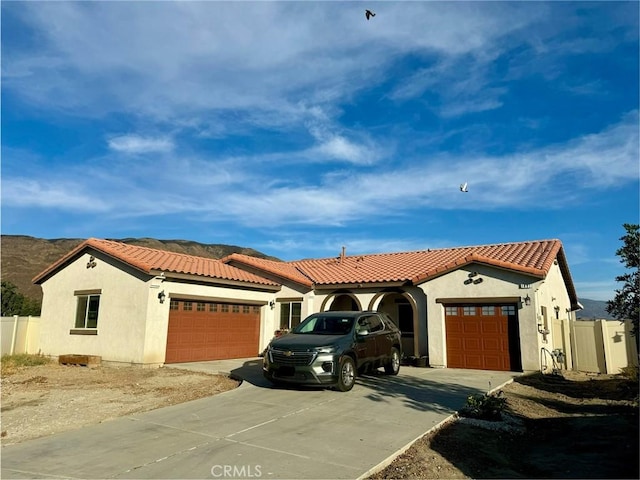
x=365, y=341
x=391, y=337
x=384, y=340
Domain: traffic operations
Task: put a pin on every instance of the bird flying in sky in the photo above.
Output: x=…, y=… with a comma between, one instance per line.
x=369, y=14
x=463, y=187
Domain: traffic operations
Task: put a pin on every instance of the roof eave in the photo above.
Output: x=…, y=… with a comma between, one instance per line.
x=58, y=264
x=222, y=281
x=359, y=285
x=474, y=258
x=234, y=259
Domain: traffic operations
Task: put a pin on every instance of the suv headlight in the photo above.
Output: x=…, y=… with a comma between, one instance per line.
x=327, y=349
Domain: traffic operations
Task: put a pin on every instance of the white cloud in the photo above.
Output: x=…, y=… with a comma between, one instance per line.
x=22, y=192
x=136, y=144
x=171, y=60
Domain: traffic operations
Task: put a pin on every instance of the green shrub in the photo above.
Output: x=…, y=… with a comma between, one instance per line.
x=484, y=407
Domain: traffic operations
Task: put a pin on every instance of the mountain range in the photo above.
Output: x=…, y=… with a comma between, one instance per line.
x=24, y=257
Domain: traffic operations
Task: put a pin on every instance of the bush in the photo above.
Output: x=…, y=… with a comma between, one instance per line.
x=10, y=363
x=484, y=407
x=630, y=373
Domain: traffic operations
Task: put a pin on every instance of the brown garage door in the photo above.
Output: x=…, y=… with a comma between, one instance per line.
x=211, y=331
x=483, y=337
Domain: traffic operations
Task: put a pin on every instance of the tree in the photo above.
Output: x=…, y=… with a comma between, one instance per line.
x=14, y=303
x=625, y=303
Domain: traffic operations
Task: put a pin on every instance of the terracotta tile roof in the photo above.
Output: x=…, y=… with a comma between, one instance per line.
x=280, y=269
x=533, y=258
x=151, y=260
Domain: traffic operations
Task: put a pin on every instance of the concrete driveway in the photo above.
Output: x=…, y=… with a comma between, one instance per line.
x=258, y=431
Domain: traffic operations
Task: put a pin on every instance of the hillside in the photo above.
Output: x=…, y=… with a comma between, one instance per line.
x=593, y=309
x=24, y=257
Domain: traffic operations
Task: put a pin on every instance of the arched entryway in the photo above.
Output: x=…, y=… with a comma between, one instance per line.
x=342, y=301
x=401, y=307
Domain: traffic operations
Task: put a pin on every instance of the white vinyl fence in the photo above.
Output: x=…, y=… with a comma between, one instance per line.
x=19, y=335
x=599, y=346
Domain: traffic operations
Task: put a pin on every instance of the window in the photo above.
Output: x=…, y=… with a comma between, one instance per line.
x=451, y=310
x=470, y=310
x=187, y=306
x=235, y=308
x=201, y=307
x=213, y=307
x=290, y=313
x=87, y=311
x=224, y=308
x=256, y=309
x=246, y=309
x=508, y=310
x=174, y=304
x=488, y=310
x=375, y=324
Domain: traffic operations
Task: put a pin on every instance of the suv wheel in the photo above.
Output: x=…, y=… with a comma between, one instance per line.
x=393, y=366
x=346, y=374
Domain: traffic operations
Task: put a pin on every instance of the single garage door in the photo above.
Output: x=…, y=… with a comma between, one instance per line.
x=483, y=337
x=211, y=331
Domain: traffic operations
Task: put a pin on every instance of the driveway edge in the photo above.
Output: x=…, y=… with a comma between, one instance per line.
x=389, y=460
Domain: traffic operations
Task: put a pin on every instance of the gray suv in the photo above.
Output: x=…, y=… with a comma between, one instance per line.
x=329, y=348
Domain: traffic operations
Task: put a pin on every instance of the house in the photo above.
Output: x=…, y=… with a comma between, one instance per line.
x=481, y=307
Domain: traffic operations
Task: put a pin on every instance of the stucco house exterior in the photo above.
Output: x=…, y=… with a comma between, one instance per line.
x=481, y=307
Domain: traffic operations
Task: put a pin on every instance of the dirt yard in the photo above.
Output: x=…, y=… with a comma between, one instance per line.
x=571, y=426
x=46, y=399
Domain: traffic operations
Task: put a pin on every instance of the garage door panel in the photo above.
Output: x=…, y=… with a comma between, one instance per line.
x=472, y=344
x=206, y=333
x=492, y=344
x=470, y=328
x=481, y=339
x=474, y=361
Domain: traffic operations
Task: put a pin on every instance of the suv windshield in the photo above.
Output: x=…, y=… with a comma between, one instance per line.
x=325, y=325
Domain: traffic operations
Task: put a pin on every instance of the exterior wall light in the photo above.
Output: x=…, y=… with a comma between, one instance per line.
x=272, y=304
x=162, y=296
x=527, y=300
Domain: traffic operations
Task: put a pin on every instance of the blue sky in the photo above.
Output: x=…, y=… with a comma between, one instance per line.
x=296, y=128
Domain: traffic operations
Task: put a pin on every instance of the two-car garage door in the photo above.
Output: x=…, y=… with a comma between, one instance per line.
x=200, y=331
x=483, y=337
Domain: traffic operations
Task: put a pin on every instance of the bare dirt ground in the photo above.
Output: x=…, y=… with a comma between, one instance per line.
x=570, y=426
x=573, y=425
x=46, y=399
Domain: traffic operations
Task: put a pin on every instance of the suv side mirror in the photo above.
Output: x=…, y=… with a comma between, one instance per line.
x=363, y=332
